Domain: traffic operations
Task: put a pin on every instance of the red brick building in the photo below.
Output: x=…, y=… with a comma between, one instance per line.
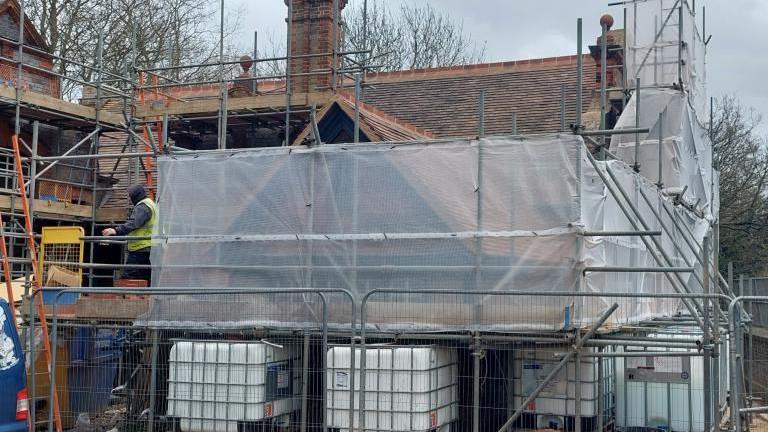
x=34, y=77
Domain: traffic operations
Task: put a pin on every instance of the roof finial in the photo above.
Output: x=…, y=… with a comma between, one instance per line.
x=246, y=62
x=607, y=21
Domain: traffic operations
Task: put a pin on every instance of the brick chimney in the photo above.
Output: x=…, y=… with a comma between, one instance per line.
x=614, y=40
x=312, y=32
x=614, y=71
x=614, y=76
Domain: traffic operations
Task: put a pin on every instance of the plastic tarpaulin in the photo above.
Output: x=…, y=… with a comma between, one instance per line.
x=655, y=55
x=686, y=151
x=502, y=214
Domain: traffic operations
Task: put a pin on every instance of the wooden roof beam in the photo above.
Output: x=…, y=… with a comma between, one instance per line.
x=205, y=106
x=55, y=105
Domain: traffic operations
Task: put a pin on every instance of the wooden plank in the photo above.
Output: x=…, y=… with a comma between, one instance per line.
x=50, y=207
x=63, y=311
x=110, y=308
x=61, y=106
x=111, y=214
x=59, y=209
x=493, y=312
x=205, y=106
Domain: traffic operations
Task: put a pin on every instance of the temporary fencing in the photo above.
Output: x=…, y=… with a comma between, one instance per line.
x=114, y=368
x=263, y=374
x=749, y=363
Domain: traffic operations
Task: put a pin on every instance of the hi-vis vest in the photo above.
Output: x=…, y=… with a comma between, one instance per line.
x=144, y=231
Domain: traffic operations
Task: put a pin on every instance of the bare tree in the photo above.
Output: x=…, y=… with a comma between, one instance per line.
x=275, y=48
x=141, y=33
x=742, y=159
x=411, y=37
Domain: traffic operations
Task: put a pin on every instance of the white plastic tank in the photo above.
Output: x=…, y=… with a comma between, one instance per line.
x=408, y=388
x=668, y=392
x=558, y=398
x=215, y=386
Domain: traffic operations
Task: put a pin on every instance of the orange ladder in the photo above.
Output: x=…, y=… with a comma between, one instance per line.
x=37, y=283
x=147, y=131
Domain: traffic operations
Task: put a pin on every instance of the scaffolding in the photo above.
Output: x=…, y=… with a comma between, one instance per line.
x=669, y=64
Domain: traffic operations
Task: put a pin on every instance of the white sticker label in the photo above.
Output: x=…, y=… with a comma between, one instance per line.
x=534, y=374
x=8, y=358
x=636, y=363
x=668, y=364
x=341, y=380
x=283, y=378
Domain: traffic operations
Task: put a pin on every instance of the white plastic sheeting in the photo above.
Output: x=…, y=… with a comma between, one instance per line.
x=602, y=212
x=654, y=53
x=686, y=149
x=499, y=214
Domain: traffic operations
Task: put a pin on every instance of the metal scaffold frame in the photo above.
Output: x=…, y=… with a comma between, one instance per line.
x=150, y=132
x=139, y=85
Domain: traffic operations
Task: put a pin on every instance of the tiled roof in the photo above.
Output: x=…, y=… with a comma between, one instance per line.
x=384, y=126
x=444, y=101
x=374, y=123
x=117, y=168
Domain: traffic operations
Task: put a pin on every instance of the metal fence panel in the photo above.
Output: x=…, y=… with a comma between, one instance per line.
x=116, y=371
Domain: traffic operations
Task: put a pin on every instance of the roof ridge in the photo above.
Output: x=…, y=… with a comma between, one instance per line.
x=27, y=24
x=211, y=87
x=346, y=97
x=489, y=66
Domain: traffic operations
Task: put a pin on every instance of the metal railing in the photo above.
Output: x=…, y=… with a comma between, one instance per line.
x=345, y=374
x=91, y=360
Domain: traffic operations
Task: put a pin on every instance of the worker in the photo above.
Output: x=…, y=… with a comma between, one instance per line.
x=140, y=224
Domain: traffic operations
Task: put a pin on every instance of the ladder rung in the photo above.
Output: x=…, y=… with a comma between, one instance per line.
x=33, y=255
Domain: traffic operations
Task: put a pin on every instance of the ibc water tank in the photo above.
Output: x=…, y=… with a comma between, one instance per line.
x=215, y=386
x=407, y=388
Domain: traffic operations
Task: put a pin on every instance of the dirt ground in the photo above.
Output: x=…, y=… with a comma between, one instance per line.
x=759, y=424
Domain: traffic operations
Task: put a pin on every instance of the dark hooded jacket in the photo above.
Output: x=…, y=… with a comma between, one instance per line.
x=140, y=213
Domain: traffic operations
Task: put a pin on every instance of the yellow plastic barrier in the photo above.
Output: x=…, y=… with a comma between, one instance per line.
x=61, y=252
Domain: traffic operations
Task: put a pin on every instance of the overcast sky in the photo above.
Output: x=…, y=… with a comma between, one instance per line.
x=520, y=29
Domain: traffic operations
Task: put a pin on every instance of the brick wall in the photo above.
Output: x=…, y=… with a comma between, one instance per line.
x=614, y=40
x=313, y=33
x=8, y=27
x=32, y=80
